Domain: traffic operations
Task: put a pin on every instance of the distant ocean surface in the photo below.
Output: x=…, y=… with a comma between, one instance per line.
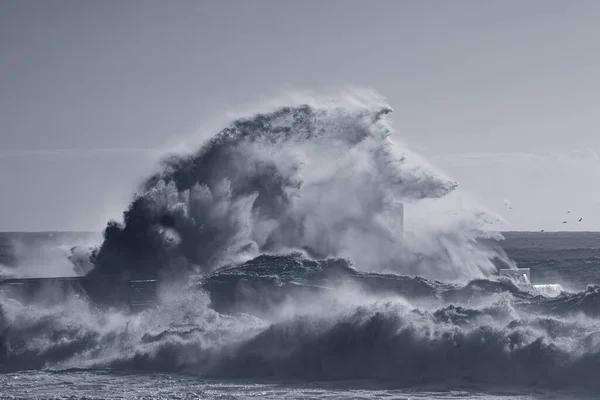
x=569, y=258
x=572, y=258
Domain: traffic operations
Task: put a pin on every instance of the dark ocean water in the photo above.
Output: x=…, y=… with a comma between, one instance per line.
x=90, y=371
x=571, y=258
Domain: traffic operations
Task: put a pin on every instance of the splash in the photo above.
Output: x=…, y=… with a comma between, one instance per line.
x=324, y=177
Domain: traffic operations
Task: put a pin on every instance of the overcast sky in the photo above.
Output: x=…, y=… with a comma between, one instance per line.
x=502, y=95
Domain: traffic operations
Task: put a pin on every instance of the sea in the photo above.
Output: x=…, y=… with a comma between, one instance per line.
x=305, y=252
x=569, y=258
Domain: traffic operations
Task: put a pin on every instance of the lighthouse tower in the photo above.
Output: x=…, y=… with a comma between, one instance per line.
x=394, y=217
x=401, y=217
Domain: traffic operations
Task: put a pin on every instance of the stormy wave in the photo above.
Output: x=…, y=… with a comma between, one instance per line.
x=289, y=317
x=282, y=253
x=326, y=178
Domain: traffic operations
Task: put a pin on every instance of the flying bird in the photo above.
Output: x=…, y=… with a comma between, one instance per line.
x=568, y=212
x=580, y=219
x=564, y=222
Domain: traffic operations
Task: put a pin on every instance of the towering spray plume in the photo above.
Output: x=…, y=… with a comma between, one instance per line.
x=323, y=177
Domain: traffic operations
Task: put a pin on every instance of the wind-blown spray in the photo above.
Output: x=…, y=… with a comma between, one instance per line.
x=323, y=177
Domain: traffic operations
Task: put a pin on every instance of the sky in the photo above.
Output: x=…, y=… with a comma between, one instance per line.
x=503, y=95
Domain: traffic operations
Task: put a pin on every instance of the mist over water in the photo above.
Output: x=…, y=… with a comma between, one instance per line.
x=281, y=256
x=44, y=254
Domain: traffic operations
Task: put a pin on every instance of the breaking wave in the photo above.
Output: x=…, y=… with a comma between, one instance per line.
x=405, y=331
x=283, y=227
x=327, y=178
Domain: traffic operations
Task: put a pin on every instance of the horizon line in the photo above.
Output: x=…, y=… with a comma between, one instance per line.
x=101, y=231
x=80, y=151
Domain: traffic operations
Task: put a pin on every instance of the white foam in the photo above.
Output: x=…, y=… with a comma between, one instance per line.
x=550, y=289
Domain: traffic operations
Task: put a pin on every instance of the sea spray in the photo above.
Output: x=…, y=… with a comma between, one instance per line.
x=319, y=176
